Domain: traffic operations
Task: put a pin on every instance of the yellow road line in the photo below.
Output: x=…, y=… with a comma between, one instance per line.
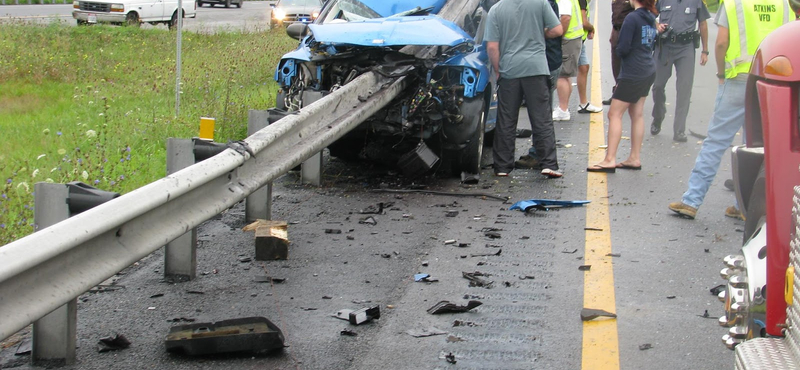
x=600, y=342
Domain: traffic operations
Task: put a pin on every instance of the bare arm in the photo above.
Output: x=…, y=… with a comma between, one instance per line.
x=720, y=48
x=702, y=26
x=587, y=26
x=565, y=23
x=493, y=49
x=554, y=32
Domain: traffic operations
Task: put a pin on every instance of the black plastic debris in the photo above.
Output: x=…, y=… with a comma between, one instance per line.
x=476, y=280
x=194, y=292
x=448, y=307
x=368, y=221
x=588, y=314
x=527, y=277
x=523, y=133
x=157, y=295
x=376, y=209
x=492, y=235
x=486, y=254
x=249, y=334
x=386, y=255
x=463, y=245
x=418, y=161
x=361, y=316
x=670, y=297
x=429, y=332
x=613, y=254
x=115, y=343
x=309, y=308
x=715, y=290
x=470, y=178
x=569, y=251
x=644, y=347
x=592, y=229
x=333, y=231
x=451, y=213
x=450, y=357
x=348, y=333
x=585, y=267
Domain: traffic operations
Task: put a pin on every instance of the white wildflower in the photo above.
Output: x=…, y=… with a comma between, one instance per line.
x=49, y=180
x=91, y=133
x=85, y=175
x=35, y=173
x=24, y=186
x=62, y=151
x=41, y=156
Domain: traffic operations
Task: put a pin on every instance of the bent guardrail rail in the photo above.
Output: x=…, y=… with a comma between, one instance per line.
x=45, y=270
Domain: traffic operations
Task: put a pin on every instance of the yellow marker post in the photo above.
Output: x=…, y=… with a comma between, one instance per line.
x=207, y=128
x=600, y=338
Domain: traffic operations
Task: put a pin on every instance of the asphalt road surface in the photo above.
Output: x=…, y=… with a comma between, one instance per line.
x=657, y=281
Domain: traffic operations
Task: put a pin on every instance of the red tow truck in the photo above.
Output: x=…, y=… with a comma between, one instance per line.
x=764, y=280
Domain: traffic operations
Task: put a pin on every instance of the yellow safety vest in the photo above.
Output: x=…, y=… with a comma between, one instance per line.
x=749, y=22
x=575, y=28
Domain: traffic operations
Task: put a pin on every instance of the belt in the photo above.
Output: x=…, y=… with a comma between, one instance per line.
x=681, y=38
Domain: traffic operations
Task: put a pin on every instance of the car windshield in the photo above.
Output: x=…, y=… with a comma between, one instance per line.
x=300, y=3
x=347, y=11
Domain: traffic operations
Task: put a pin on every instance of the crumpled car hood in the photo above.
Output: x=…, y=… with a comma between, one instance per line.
x=392, y=31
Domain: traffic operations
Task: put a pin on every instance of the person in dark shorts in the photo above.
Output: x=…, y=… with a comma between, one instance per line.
x=637, y=73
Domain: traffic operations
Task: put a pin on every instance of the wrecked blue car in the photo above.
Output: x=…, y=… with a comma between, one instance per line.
x=439, y=121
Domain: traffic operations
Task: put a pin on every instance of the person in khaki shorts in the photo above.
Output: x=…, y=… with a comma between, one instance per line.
x=571, y=51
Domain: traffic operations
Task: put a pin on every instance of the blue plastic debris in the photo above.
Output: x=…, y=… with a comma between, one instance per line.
x=421, y=277
x=546, y=204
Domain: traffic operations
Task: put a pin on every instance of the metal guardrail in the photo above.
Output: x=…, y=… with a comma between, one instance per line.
x=53, y=266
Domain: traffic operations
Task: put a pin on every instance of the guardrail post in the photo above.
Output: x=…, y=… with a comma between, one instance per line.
x=258, y=204
x=180, y=255
x=54, y=335
x=311, y=170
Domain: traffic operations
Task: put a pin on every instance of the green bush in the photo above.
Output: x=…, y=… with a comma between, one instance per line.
x=96, y=104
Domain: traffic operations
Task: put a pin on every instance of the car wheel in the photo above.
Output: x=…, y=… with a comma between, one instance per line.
x=82, y=23
x=199, y=4
x=227, y=3
x=132, y=19
x=173, y=22
x=239, y=4
x=757, y=206
x=468, y=159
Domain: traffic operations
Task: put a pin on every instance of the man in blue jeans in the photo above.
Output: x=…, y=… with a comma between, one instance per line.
x=733, y=55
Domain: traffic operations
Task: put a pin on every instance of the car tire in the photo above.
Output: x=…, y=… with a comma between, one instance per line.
x=756, y=206
x=239, y=4
x=468, y=159
x=200, y=4
x=132, y=19
x=173, y=22
x=227, y=3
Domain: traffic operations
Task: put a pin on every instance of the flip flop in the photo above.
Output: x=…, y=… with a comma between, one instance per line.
x=599, y=168
x=624, y=166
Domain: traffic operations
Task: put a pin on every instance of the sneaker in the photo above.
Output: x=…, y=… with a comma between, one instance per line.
x=683, y=209
x=607, y=101
x=679, y=138
x=560, y=115
x=552, y=174
x=734, y=212
x=589, y=108
x=526, y=161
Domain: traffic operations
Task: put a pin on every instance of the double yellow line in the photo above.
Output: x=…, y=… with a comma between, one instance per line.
x=600, y=339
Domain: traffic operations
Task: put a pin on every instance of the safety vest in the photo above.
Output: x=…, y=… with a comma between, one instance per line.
x=575, y=28
x=749, y=22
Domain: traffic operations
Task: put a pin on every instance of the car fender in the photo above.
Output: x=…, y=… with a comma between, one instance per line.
x=477, y=61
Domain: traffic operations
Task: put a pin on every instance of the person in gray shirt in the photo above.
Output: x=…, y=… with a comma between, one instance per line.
x=676, y=47
x=515, y=34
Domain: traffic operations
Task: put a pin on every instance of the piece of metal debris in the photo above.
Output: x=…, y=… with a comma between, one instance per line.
x=368, y=221
x=670, y=297
x=470, y=178
x=569, y=251
x=429, y=332
x=359, y=317
x=157, y=295
x=613, y=254
x=249, y=334
x=463, y=245
x=476, y=280
x=181, y=319
x=588, y=314
x=644, y=347
x=348, y=333
x=450, y=241
x=464, y=323
x=424, y=263
x=194, y=292
x=309, y=308
x=545, y=204
x=268, y=279
x=25, y=347
x=585, y=267
x=493, y=246
x=115, y=343
x=592, y=229
x=448, y=307
x=715, y=290
x=486, y=254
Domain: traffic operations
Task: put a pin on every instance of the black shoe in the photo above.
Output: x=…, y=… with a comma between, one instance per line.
x=607, y=101
x=679, y=137
x=655, y=128
x=523, y=133
x=526, y=161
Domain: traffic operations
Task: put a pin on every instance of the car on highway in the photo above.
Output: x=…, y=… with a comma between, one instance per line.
x=227, y=3
x=131, y=12
x=285, y=12
x=439, y=120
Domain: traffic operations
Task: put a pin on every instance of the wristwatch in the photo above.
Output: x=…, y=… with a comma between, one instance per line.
x=721, y=76
x=704, y=52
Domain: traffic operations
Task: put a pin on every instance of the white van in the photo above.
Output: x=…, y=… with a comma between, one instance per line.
x=132, y=12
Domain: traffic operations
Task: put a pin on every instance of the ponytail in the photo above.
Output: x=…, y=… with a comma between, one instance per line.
x=649, y=5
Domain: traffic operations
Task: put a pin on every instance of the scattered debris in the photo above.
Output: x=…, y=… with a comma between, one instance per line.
x=106, y=288
x=157, y=295
x=376, y=209
x=348, y=333
x=492, y=234
x=453, y=339
x=569, y=252
x=715, y=290
x=368, y=221
x=470, y=178
x=545, y=204
x=386, y=255
x=585, y=267
x=646, y=346
x=447, y=307
x=451, y=241
x=450, y=357
x=333, y=231
x=705, y=315
x=360, y=301
x=25, y=347
x=493, y=246
x=308, y=308
x=425, y=263
x=451, y=213
x=361, y=316
x=592, y=229
x=268, y=279
x=706, y=250
x=476, y=280
x=464, y=323
x=350, y=237
x=245, y=259
x=272, y=239
x=588, y=314
x=194, y=292
x=429, y=332
x=613, y=254
x=425, y=278
x=486, y=254
x=181, y=319
x=115, y=343
x=446, y=193
x=250, y=334
x=527, y=277
x=670, y=297
x=327, y=297
x=507, y=284
x=463, y=245
x=697, y=135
